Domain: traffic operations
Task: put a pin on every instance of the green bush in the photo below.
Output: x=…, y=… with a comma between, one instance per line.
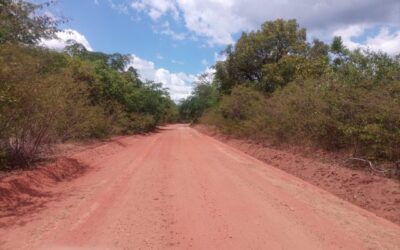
x=364, y=119
x=43, y=105
x=276, y=86
x=141, y=123
x=204, y=96
x=48, y=97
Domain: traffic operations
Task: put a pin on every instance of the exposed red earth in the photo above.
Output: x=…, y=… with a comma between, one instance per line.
x=178, y=189
x=361, y=186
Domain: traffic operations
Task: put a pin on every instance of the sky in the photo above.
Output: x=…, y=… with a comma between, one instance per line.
x=173, y=41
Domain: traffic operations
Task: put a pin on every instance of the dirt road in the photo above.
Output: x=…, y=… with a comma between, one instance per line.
x=179, y=189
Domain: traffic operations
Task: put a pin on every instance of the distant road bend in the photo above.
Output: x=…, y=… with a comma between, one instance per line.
x=180, y=189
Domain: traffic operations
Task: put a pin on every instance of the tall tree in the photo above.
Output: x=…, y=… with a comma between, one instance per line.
x=267, y=46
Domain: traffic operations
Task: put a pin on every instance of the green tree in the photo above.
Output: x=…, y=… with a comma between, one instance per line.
x=204, y=96
x=339, y=51
x=257, y=54
x=21, y=22
x=276, y=86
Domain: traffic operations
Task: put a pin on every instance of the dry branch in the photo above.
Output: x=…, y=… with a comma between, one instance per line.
x=370, y=164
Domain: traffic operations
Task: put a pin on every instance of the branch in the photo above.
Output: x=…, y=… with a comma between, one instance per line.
x=371, y=166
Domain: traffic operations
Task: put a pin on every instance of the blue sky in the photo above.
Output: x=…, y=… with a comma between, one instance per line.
x=110, y=30
x=172, y=41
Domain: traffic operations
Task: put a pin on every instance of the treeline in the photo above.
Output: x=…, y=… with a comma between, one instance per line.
x=48, y=97
x=275, y=86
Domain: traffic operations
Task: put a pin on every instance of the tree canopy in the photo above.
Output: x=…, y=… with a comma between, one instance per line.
x=48, y=96
x=277, y=86
x=23, y=22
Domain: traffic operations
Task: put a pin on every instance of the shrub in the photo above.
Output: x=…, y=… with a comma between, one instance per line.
x=306, y=93
x=241, y=113
x=43, y=104
x=141, y=123
x=48, y=97
x=363, y=118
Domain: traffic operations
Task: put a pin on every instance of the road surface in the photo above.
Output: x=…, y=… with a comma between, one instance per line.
x=179, y=189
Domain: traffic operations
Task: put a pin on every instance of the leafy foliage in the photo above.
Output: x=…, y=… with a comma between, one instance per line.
x=21, y=22
x=47, y=97
x=204, y=96
x=271, y=57
x=276, y=86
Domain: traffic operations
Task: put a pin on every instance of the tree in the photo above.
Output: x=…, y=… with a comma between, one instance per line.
x=204, y=96
x=339, y=51
x=247, y=62
x=20, y=22
x=47, y=97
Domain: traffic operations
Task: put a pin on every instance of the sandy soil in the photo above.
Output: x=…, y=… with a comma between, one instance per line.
x=179, y=189
x=362, y=187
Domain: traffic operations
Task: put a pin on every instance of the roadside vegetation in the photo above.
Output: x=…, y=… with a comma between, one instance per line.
x=276, y=86
x=48, y=97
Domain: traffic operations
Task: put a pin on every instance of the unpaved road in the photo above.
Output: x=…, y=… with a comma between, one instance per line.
x=179, y=189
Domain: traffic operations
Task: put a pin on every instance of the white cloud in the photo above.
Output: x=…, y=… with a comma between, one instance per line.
x=65, y=38
x=204, y=62
x=213, y=19
x=349, y=33
x=220, y=56
x=385, y=40
x=209, y=72
x=166, y=30
x=179, y=84
x=209, y=18
x=156, y=8
x=139, y=6
x=119, y=7
x=219, y=20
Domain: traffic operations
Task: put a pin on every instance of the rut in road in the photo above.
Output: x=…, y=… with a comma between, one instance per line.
x=180, y=189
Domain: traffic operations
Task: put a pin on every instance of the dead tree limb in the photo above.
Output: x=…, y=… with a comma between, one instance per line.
x=370, y=164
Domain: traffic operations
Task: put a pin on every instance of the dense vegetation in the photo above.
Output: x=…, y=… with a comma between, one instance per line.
x=48, y=96
x=275, y=86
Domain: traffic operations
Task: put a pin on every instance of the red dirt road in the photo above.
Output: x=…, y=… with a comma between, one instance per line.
x=179, y=189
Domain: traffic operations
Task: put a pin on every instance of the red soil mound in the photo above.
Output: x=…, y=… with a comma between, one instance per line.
x=30, y=190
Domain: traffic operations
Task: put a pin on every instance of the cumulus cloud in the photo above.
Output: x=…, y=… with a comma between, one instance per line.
x=65, y=38
x=179, y=84
x=156, y=8
x=219, y=20
x=165, y=29
x=384, y=40
x=349, y=33
x=208, y=18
